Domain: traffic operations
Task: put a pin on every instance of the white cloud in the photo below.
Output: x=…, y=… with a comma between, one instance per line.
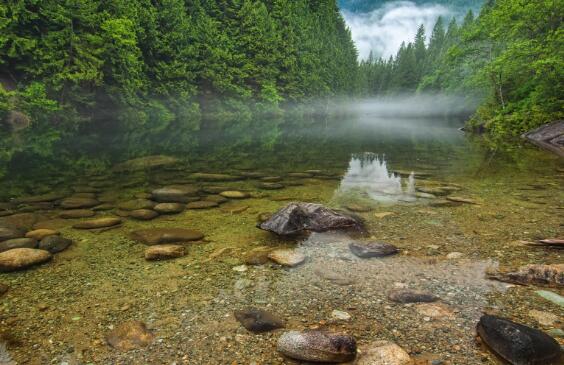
x=384, y=29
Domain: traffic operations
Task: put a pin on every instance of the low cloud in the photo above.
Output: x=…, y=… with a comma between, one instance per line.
x=384, y=29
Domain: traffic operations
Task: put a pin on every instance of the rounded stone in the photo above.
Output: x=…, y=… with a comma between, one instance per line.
x=7, y=233
x=129, y=336
x=270, y=186
x=22, y=258
x=372, y=249
x=143, y=214
x=137, y=204
x=235, y=194
x=258, y=320
x=317, y=346
x=77, y=213
x=169, y=208
x=383, y=353
x=175, y=193
x=98, y=223
x=164, y=252
x=287, y=257
x=18, y=243
x=54, y=244
x=77, y=202
x=39, y=234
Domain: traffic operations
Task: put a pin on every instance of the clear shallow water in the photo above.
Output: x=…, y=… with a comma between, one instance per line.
x=62, y=310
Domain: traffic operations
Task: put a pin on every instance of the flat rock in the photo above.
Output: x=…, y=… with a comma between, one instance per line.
x=103, y=207
x=136, y=204
x=157, y=236
x=258, y=320
x=97, y=223
x=54, y=243
x=437, y=311
x=411, y=296
x=77, y=213
x=270, y=186
x=202, y=204
x=146, y=162
x=216, y=199
x=271, y=179
x=287, y=257
x=143, y=214
x=551, y=296
x=357, y=208
x=50, y=197
x=169, y=208
x=129, y=336
x=77, y=203
x=372, y=249
x=214, y=177
x=235, y=194
x=553, y=242
x=383, y=353
x=164, y=252
x=296, y=218
x=459, y=199
x=7, y=233
x=22, y=221
x=175, y=193
x=547, y=275
x=22, y=258
x=317, y=346
x=39, y=234
x=549, y=136
x=18, y=243
x=517, y=343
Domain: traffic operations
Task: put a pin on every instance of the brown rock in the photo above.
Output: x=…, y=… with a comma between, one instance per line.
x=164, y=252
x=18, y=243
x=157, y=236
x=234, y=194
x=287, y=257
x=169, y=208
x=98, y=223
x=22, y=258
x=202, y=204
x=77, y=213
x=175, y=193
x=143, y=214
x=130, y=335
x=137, y=204
x=7, y=233
x=3, y=289
x=548, y=275
x=39, y=234
x=76, y=203
x=383, y=353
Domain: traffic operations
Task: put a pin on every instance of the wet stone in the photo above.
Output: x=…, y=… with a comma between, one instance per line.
x=271, y=179
x=3, y=289
x=103, y=207
x=459, y=199
x=216, y=199
x=77, y=213
x=164, y=252
x=77, y=203
x=258, y=320
x=18, y=243
x=22, y=258
x=287, y=257
x=54, y=244
x=383, y=353
x=175, y=194
x=7, y=233
x=517, y=343
x=98, y=223
x=235, y=194
x=84, y=195
x=50, y=197
x=270, y=186
x=317, y=346
x=137, y=204
x=157, y=236
x=169, y=208
x=202, y=204
x=411, y=296
x=257, y=256
x=548, y=275
x=372, y=249
x=214, y=177
x=438, y=311
x=146, y=162
x=143, y=214
x=129, y=336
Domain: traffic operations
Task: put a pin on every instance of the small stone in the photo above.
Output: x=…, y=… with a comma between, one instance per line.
x=234, y=194
x=143, y=214
x=257, y=256
x=164, y=252
x=77, y=213
x=372, y=249
x=270, y=186
x=437, y=311
x=287, y=257
x=317, y=346
x=258, y=320
x=129, y=336
x=137, y=204
x=240, y=268
x=383, y=214
x=98, y=223
x=169, y=208
x=544, y=318
x=18, y=243
x=157, y=236
x=202, y=204
x=340, y=315
x=459, y=199
x=411, y=296
x=357, y=208
x=54, y=244
x=39, y=234
x=383, y=353
x=454, y=255
x=77, y=203
x=22, y=258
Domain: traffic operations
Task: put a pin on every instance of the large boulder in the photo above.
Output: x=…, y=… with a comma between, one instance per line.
x=549, y=136
x=22, y=258
x=516, y=343
x=296, y=218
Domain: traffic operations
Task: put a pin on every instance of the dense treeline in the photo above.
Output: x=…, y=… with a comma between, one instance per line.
x=140, y=66
x=511, y=57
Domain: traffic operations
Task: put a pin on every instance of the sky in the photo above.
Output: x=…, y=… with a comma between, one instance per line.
x=384, y=29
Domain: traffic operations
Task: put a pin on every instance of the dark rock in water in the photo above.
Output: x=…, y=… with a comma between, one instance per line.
x=549, y=136
x=77, y=213
x=22, y=221
x=372, y=249
x=175, y=194
x=169, y=208
x=54, y=244
x=518, y=344
x=129, y=336
x=214, y=189
x=317, y=346
x=258, y=320
x=270, y=186
x=411, y=296
x=299, y=217
x=137, y=204
x=548, y=275
x=3, y=289
x=98, y=223
x=164, y=252
x=202, y=204
x=7, y=233
x=76, y=203
x=157, y=236
x=143, y=214
x=22, y=258
x=18, y=243
x=558, y=242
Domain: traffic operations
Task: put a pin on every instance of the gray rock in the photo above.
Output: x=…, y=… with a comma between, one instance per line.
x=549, y=136
x=54, y=244
x=372, y=249
x=317, y=346
x=411, y=296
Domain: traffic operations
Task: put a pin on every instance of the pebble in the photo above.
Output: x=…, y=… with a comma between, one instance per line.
x=54, y=244
x=340, y=315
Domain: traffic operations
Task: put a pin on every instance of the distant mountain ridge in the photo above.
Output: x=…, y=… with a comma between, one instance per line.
x=364, y=6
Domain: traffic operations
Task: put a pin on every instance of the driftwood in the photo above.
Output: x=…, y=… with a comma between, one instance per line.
x=549, y=136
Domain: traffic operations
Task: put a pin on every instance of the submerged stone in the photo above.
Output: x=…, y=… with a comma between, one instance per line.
x=98, y=223
x=143, y=214
x=258, y=320
x=50, y=197
x=22, y=258
x=459, y=199
x=164, y=252
x=548, y=275
x=54, y=244
x=270, y=186
x=296, y=218
x=317, y=346
x=202, y=204
x=372, y=249
x=235, y=194
x=169, y=208
x=77, y=213
x=156, y=236
x=129, y=336
x=175, y=194
x=18, y=243
x=517, y=343
x=411, y=296
x=137, y=204
x=214, y=177
x=77, y=202
x=146, y=162
x=7, y=233
x=287, y=257
x=552, y=297
x=383, y=353
x=3, y=289
x=216, y=199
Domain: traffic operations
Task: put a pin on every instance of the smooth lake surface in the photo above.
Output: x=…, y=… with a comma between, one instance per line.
x=394, y=173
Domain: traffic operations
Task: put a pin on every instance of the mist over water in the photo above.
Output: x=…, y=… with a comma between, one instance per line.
x=384, y=29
